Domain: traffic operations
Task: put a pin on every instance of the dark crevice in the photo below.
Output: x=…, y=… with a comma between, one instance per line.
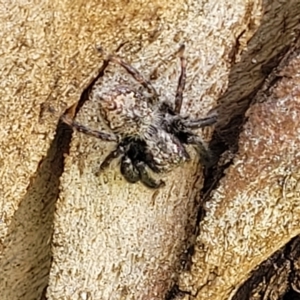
x=27, y=254
x=276, y=275
x=54, y=161
x=175, y=292
x=291, y=295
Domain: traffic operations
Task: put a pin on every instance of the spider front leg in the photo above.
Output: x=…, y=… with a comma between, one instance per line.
x=200, y=123
x=181, y=81
x=105, y=136
x=136, y=75
x=206, y=156
x=110, y=157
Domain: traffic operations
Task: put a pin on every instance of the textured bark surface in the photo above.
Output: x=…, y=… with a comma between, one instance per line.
x=113, y=240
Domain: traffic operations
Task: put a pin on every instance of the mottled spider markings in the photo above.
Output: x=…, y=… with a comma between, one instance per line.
x=150, y=134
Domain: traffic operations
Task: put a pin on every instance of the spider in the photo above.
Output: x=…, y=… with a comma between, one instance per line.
x=150, y=134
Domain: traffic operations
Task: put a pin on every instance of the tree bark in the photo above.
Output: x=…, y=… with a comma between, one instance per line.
x=68, y=234
x=254, y=209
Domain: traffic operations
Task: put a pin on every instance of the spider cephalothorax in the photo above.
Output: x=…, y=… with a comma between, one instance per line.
x=149, y=134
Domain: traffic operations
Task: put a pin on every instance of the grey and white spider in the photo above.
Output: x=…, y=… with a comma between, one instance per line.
x=150, y=134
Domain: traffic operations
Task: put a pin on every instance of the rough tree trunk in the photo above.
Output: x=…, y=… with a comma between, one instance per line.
x=68, y=234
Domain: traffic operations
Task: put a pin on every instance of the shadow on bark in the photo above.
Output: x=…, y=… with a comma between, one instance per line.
x=26, y=260
x=276, y=278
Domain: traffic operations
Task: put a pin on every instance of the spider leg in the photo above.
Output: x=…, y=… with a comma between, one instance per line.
x=128, y=170
x=105, y=136
x=146, y=179
x=135, y=74
x=181, y=81
x=110, y=157
x=200, y=123
x=206, y=156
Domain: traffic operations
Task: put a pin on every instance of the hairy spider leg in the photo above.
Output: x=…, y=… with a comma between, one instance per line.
x=146, y=179
x=105, y=136
x=110, y=157
x=206, y=156
x=200, y=123
x=181, y=81
x=136, y=75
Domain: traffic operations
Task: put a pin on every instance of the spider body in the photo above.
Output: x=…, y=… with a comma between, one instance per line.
x=150, y=134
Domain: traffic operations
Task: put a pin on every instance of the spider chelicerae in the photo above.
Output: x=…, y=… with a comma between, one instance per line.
x=150, y=134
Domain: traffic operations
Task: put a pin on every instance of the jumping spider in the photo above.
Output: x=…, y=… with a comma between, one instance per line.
x=149, y=134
